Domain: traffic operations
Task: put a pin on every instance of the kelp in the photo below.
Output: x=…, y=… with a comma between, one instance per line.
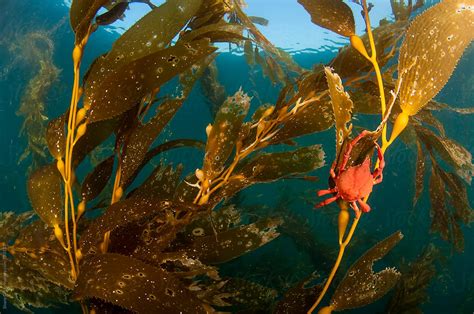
x=411, y=290
x=361, y=285
x=447, y=27
x=160, y=241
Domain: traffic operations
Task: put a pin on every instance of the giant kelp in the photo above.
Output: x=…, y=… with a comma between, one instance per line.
x=161, y=243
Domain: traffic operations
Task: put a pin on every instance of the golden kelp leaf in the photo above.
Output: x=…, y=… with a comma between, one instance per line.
x=420, y=172
x=118, y=90
x=133, y=285
x=233, y=243
x=361, y=286
x=96, y=180
x=315, y=117
x=438, y=37
x=142, y=137
x=334, y=15
x=342, y=106
x=81, y=14
x=161, y=183
x=37, y=248
x=44, y=191
x=439, y=212
x=11, y=224
x=223, y=134
x=56, y=135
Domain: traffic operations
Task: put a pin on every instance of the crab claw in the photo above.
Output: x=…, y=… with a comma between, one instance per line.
x=365, y=207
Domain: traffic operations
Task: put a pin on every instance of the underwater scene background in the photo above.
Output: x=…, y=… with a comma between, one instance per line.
x=295, y=245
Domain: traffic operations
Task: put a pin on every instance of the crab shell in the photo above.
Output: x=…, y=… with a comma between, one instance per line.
x=355, y=182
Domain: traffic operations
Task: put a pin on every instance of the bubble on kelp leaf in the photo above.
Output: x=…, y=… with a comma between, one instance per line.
x=224, y=132
x=437, y=36
x=44, y=192
x=342, y=106
x=334, y=15
x=361, y=286
x=134, y=285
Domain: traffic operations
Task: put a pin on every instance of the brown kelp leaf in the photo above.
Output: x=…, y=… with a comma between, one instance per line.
x=96, y=133
x=134, y=285
x=130, y=211
x=143, y=136
x=161, y=183
x=299, y=298
x=342, y=106
x=212, y=89
x=249, y=52
x=112, y=15
x=361, y=286
x=118, y=90
x=11, y=224
x=334, y=15
x=37, y=248
x=457, y=235
x=44, y=191
x=450, y=151
x=81, y=14
x=152, y=33
x=420, y=172
x=56, y=136
x=439, y=212
x=232, y=243
x=427, y=117
x=25, y=288
x=219, y=32
x=224, y=132
x=412, y=289
x=437, y=36
x=273, y=166
x=315, y=117
x=246, y=295
x=96, y=180
x=459, y=197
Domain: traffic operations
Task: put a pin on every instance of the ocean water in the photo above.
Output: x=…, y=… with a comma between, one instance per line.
x=285, y=261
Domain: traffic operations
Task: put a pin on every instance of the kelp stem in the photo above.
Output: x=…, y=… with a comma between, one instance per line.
x=342, y=248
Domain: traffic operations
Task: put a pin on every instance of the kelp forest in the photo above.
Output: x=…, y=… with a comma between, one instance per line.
x=112, y=226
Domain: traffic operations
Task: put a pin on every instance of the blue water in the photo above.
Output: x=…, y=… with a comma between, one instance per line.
x=392, y=202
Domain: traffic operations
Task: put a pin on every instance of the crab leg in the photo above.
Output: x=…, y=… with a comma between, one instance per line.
x=356, y=209
x=364, y=205
x=327, y=201
x=325, y=192
x=349, y=148
x=378, y=173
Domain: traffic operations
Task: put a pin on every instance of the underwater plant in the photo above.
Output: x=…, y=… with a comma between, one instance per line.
x=130, y=235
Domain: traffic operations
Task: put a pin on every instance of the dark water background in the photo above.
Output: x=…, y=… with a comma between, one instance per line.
x=391, y=202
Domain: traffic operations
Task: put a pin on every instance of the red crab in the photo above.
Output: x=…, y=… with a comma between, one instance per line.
x=354, y=183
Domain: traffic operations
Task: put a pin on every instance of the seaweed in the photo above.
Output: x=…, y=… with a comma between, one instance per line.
x=123, y=229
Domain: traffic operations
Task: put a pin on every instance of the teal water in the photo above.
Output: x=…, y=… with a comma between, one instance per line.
x=284, y=261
